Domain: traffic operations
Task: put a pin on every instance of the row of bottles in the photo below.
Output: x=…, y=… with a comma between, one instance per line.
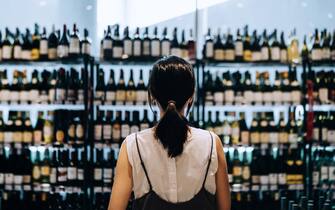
x=37, y=170
x=323, y=168
x=268, y=169
x=114, y=128
x=318, y=200
x=58, y=127
x=41, y=47
x=120, y=93
x=266, y=47
x=324, y=128
x=235, y=88
x=323, y=86
x=28, y=200
x=145, y=47
x=263, y=130
x=46, y=87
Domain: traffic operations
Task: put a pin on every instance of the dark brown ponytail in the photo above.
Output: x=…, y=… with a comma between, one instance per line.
x=172, y=84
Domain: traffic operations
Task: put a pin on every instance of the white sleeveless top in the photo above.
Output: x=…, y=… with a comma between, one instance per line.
x=173, y=179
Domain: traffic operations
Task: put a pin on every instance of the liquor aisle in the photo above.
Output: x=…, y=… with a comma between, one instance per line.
x=64, y=112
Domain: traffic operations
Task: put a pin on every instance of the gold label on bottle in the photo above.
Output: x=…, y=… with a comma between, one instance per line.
x=246, y=173
x=36, y=173
x=131, y=96
x=245, y=137
x=230, y=55
x=27, y=137
x=283, y=137
x=45, y=170
x=255, y=138
x=35, y=54
x=37, y=136
x=120, y=96
x=17, y=136
x=247, y=55
x=60, y=136
x=2, y=136
x=237, y=171
x=219, y=54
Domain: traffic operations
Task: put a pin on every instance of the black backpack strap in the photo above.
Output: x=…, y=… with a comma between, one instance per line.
x=142, y=163
x=209, y=161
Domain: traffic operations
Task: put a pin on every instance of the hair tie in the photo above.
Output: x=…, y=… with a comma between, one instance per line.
x=172, y=102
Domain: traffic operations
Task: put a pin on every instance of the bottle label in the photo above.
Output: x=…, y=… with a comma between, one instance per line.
x=35, y=53
x=53, y=175
x=8, y=137
x=98, y=174
x=134, y=129
x=264, y=179
x=80, y=96
x=51, y=95
x=239, y=48
x=229, y=96
x=332, y=55
x=230, y=178
x=17, y=136
x=100, y=95
x=267, y=97
x=26, y=55
x=237, y=171
x=130, y=96
x=255, y=179
x=235, y=132
x=286, y=97
x=116, y=132
x=71, y=173
x=2, y=178
x=274, y=137
x=24, y=96
x=256, y=56
x=273, y=179
x=26, y=179
x=264, y=138
x=316, y=177
x=60, y=136
x=258, y=97
x=165, y=48
x=316, y=54
x=62, y=51
x=141, y=96
x=324, y=173
x=283, y=55
x=6, y=52
x=47, y=133
x=128, y=47
x=107, y=44
x=5, y=95
x=74, y=46
x=331, y=173
x=155, y=48
x=52, y=53
x=80, y=131
x=107, y=131
x=331, y=136
x=36, y=172
x=247, y=55
x=60, y=94
x=229, y=55
x=108, y=174
x=245, y=137
x=110, y=96
x=246, y=173
x=17, y=52
x=2, y=137
x=209, y=50
x=86, y=48
x=80, y=174
x=37, y=136
x=34, y=95
x=146, y=48
x=44, y=47
x=292, y=138
x=219, y=54
x=218, y=98
x=120, y=96
x=97, y=132
x=296, y=96
x=45, y=171
x=275, y=53
x=326, y=53
x=255, y=137
x=62, y=174
x=125, y=130
x=137, y=48
x=176, y=52
x=248, y=96
x=323, y=95
x=324, y=133
x=316, y=134
x=144, y=126
x=265, y=53
x=9, y=178
x=117, y=52
x=283, y=137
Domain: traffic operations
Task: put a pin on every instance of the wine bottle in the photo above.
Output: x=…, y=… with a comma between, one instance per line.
x=74, y=45
x=18, y=129
x=254, y=130
x=209, y=46
x=38, y=130
x=264, y=130
x=52, y=45
x=218, y=91
x=72, y=169
x=227, y=131
x=248, y=94
x=121, y=90
x=275, y=48
x=286, y=88
x=36, y=172
x=45, y=168
x=0, y=46
x=265, y=51
x=98, y=168
x=137, y=44
x=165, y=44
x=125, y=126
x=127, y=44
x=27, y=168
x=53, y=168
x=228, y=87
x=86, y=44
x=332, y=48
x=283, y=49
x=175, y=46
x=245, y=170
x=15, y=89
x=141, y=91
x=146, y=53
x=244, y=131
x=257, y=87
x=98, y=127
x=144, y=123
x=111, y=89
x=255, y=47
x=191, y=47
x=229, y=48
x=326, y=57
x=117, y=44
x=35, y=51
x=184, y=46
x=48, y=128
x=80, y=129
x=209, y=89
x=52, y=87
x=71, y=129
x=237, y=168
x=217, y=125
x=130, y=90
x=135, y=122
x=283, y=132
x=155, y=46
x=247, y=54
x=273, y=131
x=219, y=52
x=63, y=46
x=235, y=132
x=43, y=46
x=100, y=87
x=238, y=47
x=62, y=168
x=2, y=127
x=26, y=47
x=80, y=169
x=107, y=45
x=107, y=127
x=108, y=165
x=7, y=47
x=44, y=87
x=17, y=48
x=116, y=132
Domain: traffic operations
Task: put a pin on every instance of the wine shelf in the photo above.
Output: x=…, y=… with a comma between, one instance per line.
x=40, y=107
